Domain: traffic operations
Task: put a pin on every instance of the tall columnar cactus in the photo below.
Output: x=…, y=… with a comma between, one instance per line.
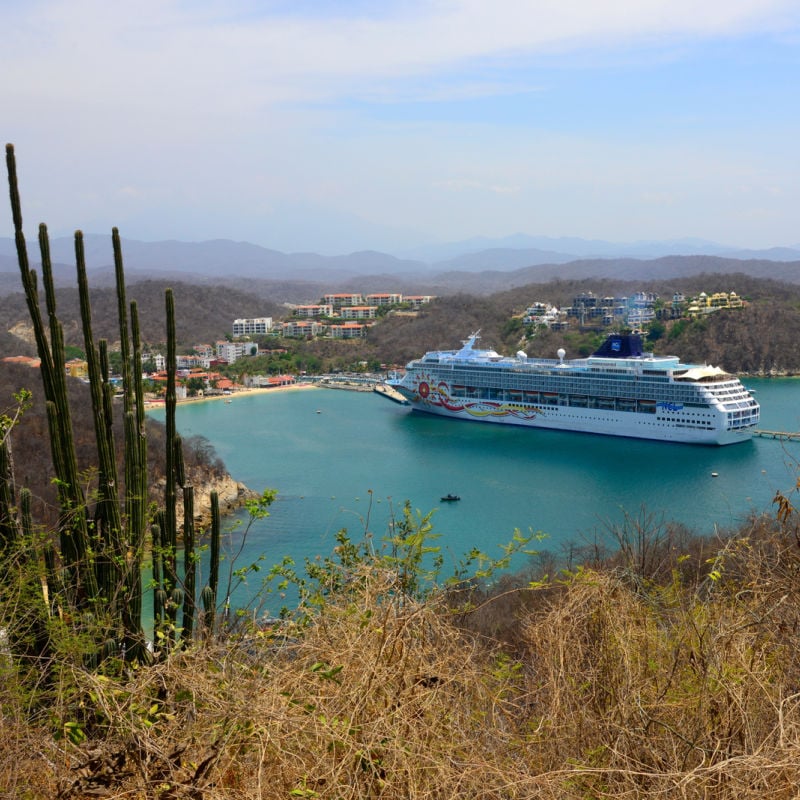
x=107, y=518
x=159, y=592
x=9, y=527
x=169, y=531
x=189, y=564
x=9, y=521
x=99, y=560
x=76, y=553
x=209, y=593
x=135, y=458
x=135, y=480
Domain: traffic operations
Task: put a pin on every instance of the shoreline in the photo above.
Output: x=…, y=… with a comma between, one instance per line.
x=232, y=493
x=151, y=403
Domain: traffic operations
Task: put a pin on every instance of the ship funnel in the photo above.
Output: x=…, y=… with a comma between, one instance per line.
x=522, y=355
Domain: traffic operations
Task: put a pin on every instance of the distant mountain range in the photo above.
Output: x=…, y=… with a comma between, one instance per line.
x=546, y=249
x=459, y=264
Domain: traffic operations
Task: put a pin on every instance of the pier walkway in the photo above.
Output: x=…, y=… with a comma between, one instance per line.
x=777, y=435
x=390, y=394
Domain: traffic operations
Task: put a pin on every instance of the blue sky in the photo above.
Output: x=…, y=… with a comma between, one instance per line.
x=335, y=127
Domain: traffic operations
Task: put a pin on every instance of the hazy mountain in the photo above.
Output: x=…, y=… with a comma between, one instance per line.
x=493, y=264
x=546, y=249
x=219, y=258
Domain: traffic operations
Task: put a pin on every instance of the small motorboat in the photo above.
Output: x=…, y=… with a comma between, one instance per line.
x=450, y=498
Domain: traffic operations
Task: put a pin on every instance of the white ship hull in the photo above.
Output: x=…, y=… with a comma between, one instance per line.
x=597, y=421
x=638, y=396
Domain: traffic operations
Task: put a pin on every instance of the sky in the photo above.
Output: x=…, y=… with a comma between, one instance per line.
x=332, y=127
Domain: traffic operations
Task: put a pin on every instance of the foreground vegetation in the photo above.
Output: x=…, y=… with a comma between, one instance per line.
x=656, y=673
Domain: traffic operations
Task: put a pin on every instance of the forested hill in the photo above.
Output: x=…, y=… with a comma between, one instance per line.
x=31, y=451
x=203, y=314
x=761, y=338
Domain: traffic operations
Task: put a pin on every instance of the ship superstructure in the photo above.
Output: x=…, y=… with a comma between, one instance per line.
x=619, y=390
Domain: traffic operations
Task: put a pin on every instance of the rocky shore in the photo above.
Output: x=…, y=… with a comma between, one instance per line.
x=232, y=495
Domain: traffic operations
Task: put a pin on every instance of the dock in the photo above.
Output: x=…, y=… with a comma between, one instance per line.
x=783, y=435
x=390, y=394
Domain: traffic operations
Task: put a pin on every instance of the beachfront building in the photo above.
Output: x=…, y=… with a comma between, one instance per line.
x=252, y=327
x=268, y=381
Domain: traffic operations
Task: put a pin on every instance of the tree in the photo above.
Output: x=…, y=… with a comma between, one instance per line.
x=195, y=386
x=656, y=330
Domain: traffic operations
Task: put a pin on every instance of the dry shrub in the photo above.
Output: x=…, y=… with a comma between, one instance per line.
x=380, y=697
x=663, y=695
x=619, y=690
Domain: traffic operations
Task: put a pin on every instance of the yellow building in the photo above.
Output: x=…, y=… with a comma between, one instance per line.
x=77, y=368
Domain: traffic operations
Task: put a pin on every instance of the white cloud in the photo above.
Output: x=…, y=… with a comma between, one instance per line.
x=173, y=54
x=221, y=112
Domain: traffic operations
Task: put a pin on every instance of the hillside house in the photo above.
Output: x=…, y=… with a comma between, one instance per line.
x=343, y=299
x=314, y=311
x=348, y=330
x=384, y=299
x=358, y=312
x=301, y=329
x=416, y=301
x=258, y=326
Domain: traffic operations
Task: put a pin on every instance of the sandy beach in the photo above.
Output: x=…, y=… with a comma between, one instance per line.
x=151, y=403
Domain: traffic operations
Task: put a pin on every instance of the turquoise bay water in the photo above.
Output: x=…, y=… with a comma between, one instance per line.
x=328, y=452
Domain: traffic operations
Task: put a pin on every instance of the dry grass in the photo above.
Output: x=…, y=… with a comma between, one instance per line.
x=613, y=691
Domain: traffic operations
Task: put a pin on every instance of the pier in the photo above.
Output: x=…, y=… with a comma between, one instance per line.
x=390, y=394
x=788, y=435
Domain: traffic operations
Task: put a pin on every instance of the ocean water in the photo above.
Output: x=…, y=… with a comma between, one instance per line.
x=341, y=459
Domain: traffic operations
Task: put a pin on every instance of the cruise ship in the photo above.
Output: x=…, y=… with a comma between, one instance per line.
x=617, y=391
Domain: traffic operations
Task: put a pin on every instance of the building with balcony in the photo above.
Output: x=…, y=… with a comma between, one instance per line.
x=252, y=327
x=348, y=330
x=358, y=312
x=312, y=311
x=541, y=314
x=301, y=329
x=343, y=299
x=231, y=352
x=384, y=299
x=416, y=301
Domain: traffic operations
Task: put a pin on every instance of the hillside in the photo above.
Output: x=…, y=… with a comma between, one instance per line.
x=30, y=445
x=204, y=313
x=759, y=338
